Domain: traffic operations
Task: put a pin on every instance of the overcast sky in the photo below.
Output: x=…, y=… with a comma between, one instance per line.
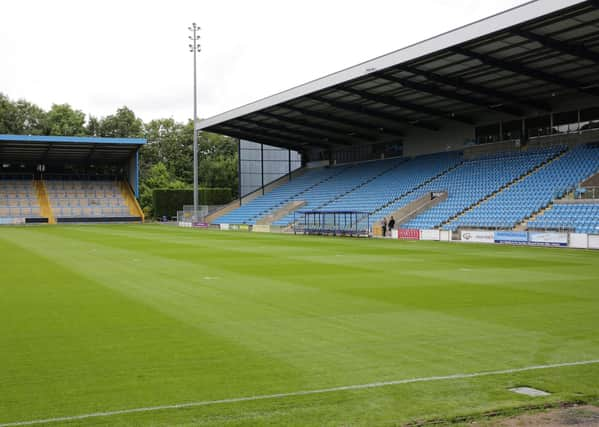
x=98, y=55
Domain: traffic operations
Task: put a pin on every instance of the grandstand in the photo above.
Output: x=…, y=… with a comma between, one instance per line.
x=493, y=126
x=53, y=179
x=497, y=191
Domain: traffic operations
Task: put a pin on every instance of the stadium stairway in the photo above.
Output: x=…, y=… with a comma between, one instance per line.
x=214, y=217
x=476, y=179
x=579, y=216
x=299, y=195
x=549, y=183
x=131, y=201
x=520, y=201
x=523, y=226
x=354, y=178
x=377, y=195
x=417, y=207
x=265, y=204
x=360, y=185
x=376, y=214
x=44, y=201
x=283, y=211
x=503, y=188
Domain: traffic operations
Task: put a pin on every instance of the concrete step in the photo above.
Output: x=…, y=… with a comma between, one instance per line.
x=282, y=212
x=418, y=206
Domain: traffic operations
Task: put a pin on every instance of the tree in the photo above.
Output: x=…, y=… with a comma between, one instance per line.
x=169, y=142
x=64, y=120
x=220, y=171
x=28, y=119
x=157, y=176
x=123, y=124
x=213, y=145
x=8, y=115
x=218, y=161
x=93, y=126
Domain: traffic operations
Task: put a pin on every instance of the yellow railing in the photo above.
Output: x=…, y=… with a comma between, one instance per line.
x=44, y=201
x=132, y=203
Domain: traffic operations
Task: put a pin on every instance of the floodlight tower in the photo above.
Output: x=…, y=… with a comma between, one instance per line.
x=195, y=47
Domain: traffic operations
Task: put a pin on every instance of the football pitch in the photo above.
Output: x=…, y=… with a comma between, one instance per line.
x=155, y=325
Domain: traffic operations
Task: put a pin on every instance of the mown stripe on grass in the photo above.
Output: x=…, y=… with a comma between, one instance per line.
x=295, y=393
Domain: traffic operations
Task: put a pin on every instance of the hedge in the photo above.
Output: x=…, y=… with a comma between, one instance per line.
x=166, y=202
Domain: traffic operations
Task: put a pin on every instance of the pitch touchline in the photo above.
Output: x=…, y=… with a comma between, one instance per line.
x=294, y=393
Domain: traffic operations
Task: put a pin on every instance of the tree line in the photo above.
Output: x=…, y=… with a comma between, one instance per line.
x=166, y=161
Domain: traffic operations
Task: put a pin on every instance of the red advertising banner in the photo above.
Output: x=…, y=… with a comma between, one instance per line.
x=408, y=234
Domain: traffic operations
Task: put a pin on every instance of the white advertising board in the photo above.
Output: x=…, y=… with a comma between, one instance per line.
x=224, y=226
x=593, y=241
x=579, y=240
x=548, y=238
x=430, y=235
x=445, y=236
x=258, y=228
x=394, y=234
x=12, y=221
x=477, y=236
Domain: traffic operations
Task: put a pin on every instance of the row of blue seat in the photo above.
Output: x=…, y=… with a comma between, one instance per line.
x=582, y=218
x=523, y=199
x=498, y=190
x=475, y=180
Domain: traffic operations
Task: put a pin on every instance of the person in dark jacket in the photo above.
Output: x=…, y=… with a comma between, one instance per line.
x=391, y=224
x=384, y=226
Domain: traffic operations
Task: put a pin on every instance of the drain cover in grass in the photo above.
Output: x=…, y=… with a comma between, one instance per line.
x=529, y=391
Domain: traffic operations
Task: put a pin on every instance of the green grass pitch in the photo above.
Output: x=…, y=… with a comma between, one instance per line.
x=109, y=318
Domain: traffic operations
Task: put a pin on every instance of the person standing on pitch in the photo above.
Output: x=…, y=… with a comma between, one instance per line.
x=384, y=226
x=391, y=224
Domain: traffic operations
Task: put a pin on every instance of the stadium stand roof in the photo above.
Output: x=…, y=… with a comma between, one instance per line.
x=523, y=61
x=49, y=149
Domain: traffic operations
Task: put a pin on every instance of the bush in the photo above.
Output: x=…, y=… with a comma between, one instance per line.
x=166, y=202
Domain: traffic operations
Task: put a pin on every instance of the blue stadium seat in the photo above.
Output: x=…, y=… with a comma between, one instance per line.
x=520, y=201
x=474, y=181
x=494, y=191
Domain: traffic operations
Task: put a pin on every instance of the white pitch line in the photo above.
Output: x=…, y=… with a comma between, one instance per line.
x=294, y=393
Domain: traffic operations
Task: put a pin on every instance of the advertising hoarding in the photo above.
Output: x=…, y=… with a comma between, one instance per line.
x=477, y=236
x=408, y=234
x=511, y=237
x=430, y=235
x=548, y=238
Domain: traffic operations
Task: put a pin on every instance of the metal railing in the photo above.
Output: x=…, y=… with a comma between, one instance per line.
x=587, y=193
